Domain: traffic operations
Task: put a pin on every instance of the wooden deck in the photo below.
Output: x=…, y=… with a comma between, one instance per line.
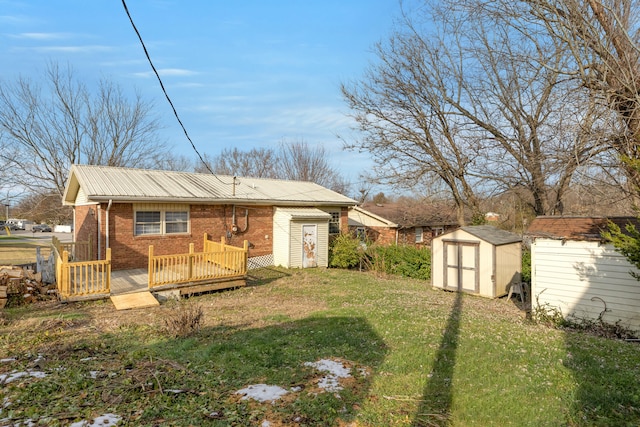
x=136, y=280
x=127, y=281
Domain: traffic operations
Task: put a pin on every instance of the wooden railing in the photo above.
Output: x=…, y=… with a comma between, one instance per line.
x=78, y=251
x=81, y=278
x=217, y=261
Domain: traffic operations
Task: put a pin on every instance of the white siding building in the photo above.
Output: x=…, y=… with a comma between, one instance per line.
x=576, y=273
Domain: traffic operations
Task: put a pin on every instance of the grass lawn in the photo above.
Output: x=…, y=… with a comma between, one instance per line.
x=16, y=250
x=418, y=357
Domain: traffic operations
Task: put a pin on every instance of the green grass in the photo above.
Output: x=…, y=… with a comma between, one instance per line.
x=15, y=250
x=420, y=357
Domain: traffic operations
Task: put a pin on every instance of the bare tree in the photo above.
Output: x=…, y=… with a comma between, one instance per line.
x=51, y=129
x=256, y=163
x=602, y=40
x=297, y=160
x=293, y=160
x=455, y=96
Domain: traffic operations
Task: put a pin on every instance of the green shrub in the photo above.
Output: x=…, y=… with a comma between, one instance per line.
x=404, y=260
x=346, y=251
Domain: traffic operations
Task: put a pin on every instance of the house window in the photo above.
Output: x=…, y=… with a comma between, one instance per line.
x=334, y=223
x=418, y=234
x=161, y=222
x=361, y=234
x=436, y=231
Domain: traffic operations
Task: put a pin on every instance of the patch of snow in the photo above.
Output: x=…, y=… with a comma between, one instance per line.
x=332, y=367
x=334, y=370
x=174, y=390
x=94, y=374
x=7, y=378
x=265, y=423
x=86, y=359
x=106, y=420
x=262, y=392
x=8, y=359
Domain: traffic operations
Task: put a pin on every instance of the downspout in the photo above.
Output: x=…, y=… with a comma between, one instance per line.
x=106, y=238
x=99, y=215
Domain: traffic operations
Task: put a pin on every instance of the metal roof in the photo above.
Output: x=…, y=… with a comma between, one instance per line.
x=304, y=213
x=104, y=183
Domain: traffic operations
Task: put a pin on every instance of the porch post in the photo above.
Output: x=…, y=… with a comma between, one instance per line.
x=191, y=251
x=150, y=268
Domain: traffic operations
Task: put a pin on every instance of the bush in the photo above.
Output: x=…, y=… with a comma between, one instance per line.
x=183, y=319
x=406, y=261
x=346, y=251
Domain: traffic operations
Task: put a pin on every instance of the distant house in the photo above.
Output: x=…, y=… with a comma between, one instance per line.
x=577, y=273
x=402, y=223
x=127, y=210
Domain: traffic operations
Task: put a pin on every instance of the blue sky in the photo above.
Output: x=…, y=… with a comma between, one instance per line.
x=242, y=73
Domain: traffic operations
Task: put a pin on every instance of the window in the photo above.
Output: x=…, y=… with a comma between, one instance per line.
x=334, y=223
x=436, y=231
x=361, y=234
x=418, y=234
x=161, y=222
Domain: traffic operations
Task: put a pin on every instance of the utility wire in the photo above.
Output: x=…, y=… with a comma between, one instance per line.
x=175, y=113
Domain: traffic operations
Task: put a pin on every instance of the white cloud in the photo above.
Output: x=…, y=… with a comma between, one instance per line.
x=41, y=36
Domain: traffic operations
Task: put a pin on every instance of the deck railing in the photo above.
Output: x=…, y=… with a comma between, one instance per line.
x=78, y=251
x=217, y=261
x=81, y=278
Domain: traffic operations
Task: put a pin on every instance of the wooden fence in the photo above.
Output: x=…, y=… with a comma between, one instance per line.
x=80, y=278
x=217, y=261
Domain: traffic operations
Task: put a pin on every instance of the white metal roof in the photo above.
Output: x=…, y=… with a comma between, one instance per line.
x=104, y=183
x=304, y=213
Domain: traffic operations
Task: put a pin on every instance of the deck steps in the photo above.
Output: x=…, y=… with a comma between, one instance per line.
x=134, y=300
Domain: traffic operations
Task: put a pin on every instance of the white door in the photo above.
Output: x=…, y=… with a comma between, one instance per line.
x=461, y=260
x=309, y=245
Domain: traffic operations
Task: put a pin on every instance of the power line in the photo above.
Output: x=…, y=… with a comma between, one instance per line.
x=175, y=113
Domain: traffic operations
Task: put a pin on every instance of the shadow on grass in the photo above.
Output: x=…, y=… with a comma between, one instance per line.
x=223, y=360
x=436, y=402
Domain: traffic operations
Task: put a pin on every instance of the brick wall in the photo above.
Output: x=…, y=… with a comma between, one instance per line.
x=129, y=251
x=86, y=226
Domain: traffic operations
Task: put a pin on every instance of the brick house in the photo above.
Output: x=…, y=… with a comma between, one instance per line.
x=128, y=210
x=411, y=223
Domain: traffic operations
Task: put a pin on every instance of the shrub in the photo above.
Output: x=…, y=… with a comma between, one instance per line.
x=406, y=261
x=346, y=251
x=183, y=319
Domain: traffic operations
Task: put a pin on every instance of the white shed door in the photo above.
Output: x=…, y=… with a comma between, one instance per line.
x=461, y=266
x=309, y=245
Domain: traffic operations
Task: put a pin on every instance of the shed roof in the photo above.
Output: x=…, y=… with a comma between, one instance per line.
x=493, y=235
x=574, y=227
x=104, y=183
x=305, y=213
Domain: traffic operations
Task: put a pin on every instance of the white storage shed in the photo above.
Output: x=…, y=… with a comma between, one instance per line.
x=301, y=237
x=481, y=260
x=574, y=271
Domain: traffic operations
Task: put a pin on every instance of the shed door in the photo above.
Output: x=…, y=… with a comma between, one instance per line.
x=461, y=261
x=309, y=245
